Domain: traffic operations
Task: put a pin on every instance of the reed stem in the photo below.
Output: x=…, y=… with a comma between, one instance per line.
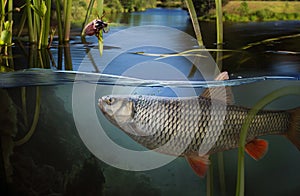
x=27, y=137
x=87, y=17
x=59, y=21
x=46, y=28
x=68, y=20
x=36, y=20
x=219, y=21
x=193, y=15
x=284, y=91
x=221, y=173
x=29, y=21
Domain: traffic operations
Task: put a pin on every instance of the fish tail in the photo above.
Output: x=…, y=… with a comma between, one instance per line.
x=293, y=133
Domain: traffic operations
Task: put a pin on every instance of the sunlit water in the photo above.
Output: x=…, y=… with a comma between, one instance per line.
x=57, y=157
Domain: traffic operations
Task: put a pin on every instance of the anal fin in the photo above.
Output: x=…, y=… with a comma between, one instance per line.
x=199, y=164
x=257, y=148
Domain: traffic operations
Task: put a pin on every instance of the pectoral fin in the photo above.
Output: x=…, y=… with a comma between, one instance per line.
x=199, y=164
x=257, y=148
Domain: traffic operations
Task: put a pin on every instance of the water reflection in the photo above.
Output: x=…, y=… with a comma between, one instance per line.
x=259, y=59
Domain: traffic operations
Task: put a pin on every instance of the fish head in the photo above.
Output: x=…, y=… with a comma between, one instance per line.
x=122, y=111
x=119, y=110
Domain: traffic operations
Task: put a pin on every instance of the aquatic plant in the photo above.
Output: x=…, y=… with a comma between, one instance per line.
x=40, y=9
x=91, y=28
x=32, y=129
x=193, y=15
x=284, y=91
x=67, y=22
x=6, y=25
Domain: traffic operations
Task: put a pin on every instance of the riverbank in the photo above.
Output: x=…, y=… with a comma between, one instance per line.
x=245, y=11
x=115, y=7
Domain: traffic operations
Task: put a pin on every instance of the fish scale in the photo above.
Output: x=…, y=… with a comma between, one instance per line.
x=183, y=120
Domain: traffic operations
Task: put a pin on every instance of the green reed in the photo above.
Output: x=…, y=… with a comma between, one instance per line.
x=284, y=91
x=6, y=22
x=194, y=18
x=87, y=17
x=68, y=10
x=32, y=129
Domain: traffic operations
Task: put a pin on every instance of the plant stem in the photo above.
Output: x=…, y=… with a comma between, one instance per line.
x=41, y=34
x=36, y=20
x=68, y=20
x=22, y=23
x=221, y=173
x=219, y=17
x=46, y=28
x=100, y=7
x=29, y=21
x=59, y=21
x=289, y=90
x=87, y=16
x=191, y=8
x=209, y=180
x=2, y=14
x=100, y=36
x=35, y=120
x=10, y=14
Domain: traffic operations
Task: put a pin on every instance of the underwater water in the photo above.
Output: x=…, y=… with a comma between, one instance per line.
x=56, y=141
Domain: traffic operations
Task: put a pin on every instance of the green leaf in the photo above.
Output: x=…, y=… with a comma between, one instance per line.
x=7, y=25
x=100, y=42
x=37, y=11
x=43, y=8
x=5, y=37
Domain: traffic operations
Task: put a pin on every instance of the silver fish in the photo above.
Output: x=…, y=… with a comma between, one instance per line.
x=196, y=127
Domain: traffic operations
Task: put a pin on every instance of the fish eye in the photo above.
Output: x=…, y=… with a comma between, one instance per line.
x=109, y=100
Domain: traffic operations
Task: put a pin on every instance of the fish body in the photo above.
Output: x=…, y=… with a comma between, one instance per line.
x=195, y=127
x=153, y=121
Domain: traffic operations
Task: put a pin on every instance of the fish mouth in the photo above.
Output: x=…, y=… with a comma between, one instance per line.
x=101, y=103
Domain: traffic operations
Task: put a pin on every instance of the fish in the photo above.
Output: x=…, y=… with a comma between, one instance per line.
x=196, y=127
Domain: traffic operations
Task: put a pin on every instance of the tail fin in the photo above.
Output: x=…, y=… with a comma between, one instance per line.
x=294, y=129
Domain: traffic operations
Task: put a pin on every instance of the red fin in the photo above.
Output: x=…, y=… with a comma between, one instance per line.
x=199, y=164
x=257, y=148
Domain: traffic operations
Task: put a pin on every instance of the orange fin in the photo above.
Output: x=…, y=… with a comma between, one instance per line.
x=199, y=164
x=257, y=148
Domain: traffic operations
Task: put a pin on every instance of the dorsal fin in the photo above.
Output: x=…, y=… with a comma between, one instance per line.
x=218, y=92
